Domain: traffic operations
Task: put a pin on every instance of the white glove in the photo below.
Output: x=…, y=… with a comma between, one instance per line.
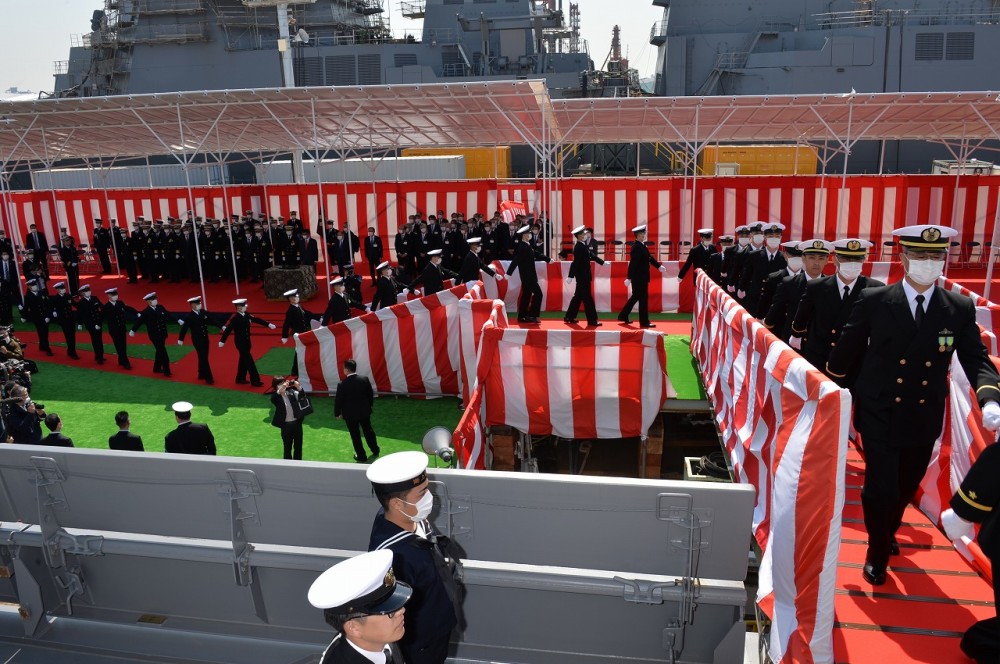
x=406, y=291
x=22, y=320
x=416, y=291
x=741, y=293
x=55, y=314
x=662, y=269
x=180, y=343
x=500, y=277
x=368, y=308
x=796, y=343
x=131, y=333
x=569, y=280
x=46, y=320
x=222, y=344
x=20, y=308
x=79, y=328
x=97, y=328
x=272, y=326
x=180, y=321
x=284, y=341
x=955, y=527
x=679, y=278
x=991, y=415
x=730, y=289
x=628, y=282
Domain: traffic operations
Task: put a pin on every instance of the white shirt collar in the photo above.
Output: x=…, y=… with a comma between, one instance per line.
x=911, y=296
x=374, y=657
x=841, y=284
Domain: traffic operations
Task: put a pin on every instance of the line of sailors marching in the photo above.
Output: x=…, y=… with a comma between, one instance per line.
x=783, y=285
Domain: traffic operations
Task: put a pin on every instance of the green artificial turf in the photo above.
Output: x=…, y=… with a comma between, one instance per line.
x=682, y=368
x=135, y=351
x=87, y=401
x=277, y=361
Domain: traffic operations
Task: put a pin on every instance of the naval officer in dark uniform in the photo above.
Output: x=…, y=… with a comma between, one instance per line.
x=757, y=265
x=239, y=327
x=65, y=316
x=529, y=302
x=580, y=271
x=815, y=256
x=793, y=264
x=188, y=437
x=364, y=602
x=92, y=317
x=638, y=278
x=115, y=312
x=197, y=322
x=154, y=317
x=433, y=274
x=422, y=557
x=37, y=310
x=297, y=321
x=339, y=307
x=717, y=260
x=827, y=302
x=903, y=337
x=700, y=255
x=978, y=501
x=472, y=263
x=386, y=288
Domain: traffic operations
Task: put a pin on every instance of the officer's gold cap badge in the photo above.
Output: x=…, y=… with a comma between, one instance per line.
x=818, y=244
x=931, y=234
x=854, y=245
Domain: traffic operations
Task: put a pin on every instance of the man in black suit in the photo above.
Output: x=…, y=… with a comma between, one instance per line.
x=815, y=256
x=793, y=265
x=373, y=251
x=297, y=321
x=124, y=440
x=64, y=316
x=287, y=415
x=700, y=255
x=638, y=278
x=239, y=327
x=729, y=257
x=353, y=404
x=472, y=264
x=188, y=437
x=340, y=305
x=580, y=271
x=529, y=302
x=101, y=244
x=757, y=266
x=10, y=294
x=748, y=240
x=155, y=317
x=197, y=321
x=56, y=438
x=23, y=419
x=363, y=601
x=826, y=303
x=91, y=317
x=433, y=275
x=903, y=337
x=70, y=257
x=39, y=245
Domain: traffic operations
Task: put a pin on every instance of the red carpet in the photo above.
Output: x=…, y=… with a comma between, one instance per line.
x=930, y=598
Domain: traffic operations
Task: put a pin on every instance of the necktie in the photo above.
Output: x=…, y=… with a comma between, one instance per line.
x=5, y=271
x=919, y=315
x=847, y=291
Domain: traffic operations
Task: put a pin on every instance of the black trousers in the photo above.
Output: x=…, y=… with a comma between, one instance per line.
x=161, y=361
x=892, y=476
x=640, y=296
x=97, y=341
x=120, y=339
x=42, y=329
x=73, y=278
x=355, y=426
x=246, y=366
x=371, y=268
x=69, y=332
x=529, y=302
x=582, y=295
x=102, y=254
x=204, y=370
x=291, y=439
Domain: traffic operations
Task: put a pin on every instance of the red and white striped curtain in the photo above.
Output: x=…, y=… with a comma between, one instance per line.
x=409, y=348
x=785, y=426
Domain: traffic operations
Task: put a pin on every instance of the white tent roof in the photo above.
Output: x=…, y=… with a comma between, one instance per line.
x=465, y=114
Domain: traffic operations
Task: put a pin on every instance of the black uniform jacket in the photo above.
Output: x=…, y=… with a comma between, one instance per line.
x=191, y=438
x=579, y=269
x=639, y=262
x=978, y=499
x=903, y=370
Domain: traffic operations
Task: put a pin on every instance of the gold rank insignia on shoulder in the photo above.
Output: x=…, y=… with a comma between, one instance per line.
x=946, y=340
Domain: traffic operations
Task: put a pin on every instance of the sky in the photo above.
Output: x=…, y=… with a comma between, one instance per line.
x=40, y=33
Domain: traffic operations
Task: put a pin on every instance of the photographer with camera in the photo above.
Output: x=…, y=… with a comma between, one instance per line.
x=291, y=406
x=24, y=418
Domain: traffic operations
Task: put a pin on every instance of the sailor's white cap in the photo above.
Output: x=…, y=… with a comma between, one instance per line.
x=182, y=407
x=398, y=472
x=360, y=586
x=290, y=293
x=241, y=302
x=381, y=266
x=639, y=229
x=579, y=229
x=196, y=298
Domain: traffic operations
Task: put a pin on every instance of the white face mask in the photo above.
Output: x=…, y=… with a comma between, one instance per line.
x=744, y=241
x=152, y=303
x=424, y=507
x=704, y=243
x=795, y=263
x=925, y=272
x=758, y=238
x=850, y=271
x=773, y=243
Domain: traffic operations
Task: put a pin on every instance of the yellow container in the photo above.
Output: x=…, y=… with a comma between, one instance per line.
x=480, y=163
x=759, y=159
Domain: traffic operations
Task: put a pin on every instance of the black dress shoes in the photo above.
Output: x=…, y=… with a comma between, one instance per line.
x=873, y=575
x=648, y=325
x=360, y=459
x=894, y=548
x=569, y=321
x=256, y=383
x=594, y=324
